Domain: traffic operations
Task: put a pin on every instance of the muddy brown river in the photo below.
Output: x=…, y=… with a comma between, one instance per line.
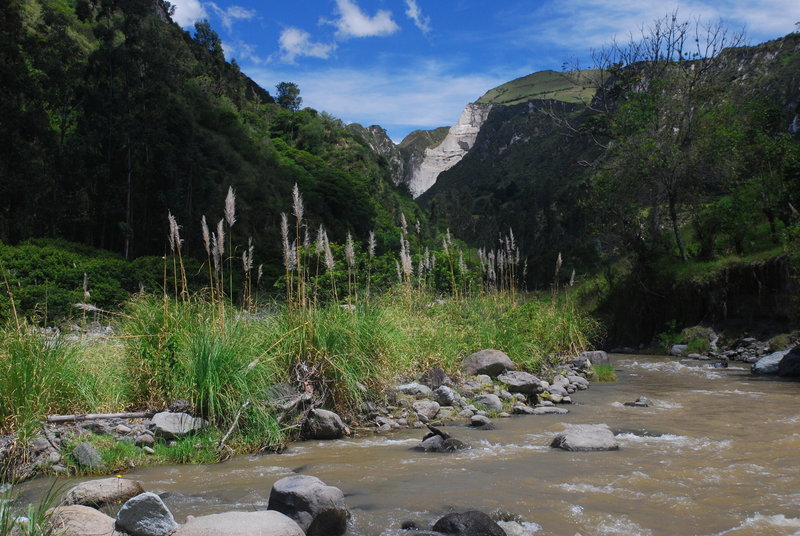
x=717, y=454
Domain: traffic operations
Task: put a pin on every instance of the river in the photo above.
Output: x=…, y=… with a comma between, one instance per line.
x=717, y=454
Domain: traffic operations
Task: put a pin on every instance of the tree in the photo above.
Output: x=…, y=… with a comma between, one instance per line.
x=657, y=96
x=289, y=96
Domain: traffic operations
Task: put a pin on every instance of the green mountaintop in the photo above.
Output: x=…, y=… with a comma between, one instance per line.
x=566, y=87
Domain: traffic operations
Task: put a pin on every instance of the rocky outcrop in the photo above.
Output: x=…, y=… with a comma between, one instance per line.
x=769, y=364
x=459, y=140
x=789, y=367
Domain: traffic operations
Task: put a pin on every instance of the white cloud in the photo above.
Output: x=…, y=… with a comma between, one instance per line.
x=593, y=23
x=231, y=14
x=187, y=12
x=295, y=42
x=241, y=51
x=415, y=13
x=353, y=22
x=426, y=96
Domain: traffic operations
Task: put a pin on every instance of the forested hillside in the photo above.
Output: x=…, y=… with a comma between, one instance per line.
x=112, y=116
x=683, y=168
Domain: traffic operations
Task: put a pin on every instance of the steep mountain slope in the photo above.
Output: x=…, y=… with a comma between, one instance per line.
x=574, y=87
x=114, y=116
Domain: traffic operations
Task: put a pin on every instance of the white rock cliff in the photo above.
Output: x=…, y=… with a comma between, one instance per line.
x=457, y=143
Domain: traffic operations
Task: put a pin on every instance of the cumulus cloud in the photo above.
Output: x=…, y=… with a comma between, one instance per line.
x=353, y=22
x=187, y=12
x=561, y=22
x=424, y=96
x=415, y=13
x=231, y=14
x=295, y=42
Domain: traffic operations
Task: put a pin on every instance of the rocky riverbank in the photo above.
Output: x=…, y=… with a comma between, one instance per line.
x=487, y=387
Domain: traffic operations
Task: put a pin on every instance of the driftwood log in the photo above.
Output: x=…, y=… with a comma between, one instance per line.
x=96, y=416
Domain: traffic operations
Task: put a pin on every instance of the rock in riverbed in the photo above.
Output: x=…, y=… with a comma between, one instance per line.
x=261, y=523
x=100, y=492
x=146, y=515
x=586, y=437
x=79, y=520
x=318, y=509
x=470, y=523
x=324, y=424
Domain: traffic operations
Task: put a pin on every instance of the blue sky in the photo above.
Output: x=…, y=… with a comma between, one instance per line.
x=414, y=64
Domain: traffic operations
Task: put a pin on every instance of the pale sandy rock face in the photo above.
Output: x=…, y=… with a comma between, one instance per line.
x=458, y=142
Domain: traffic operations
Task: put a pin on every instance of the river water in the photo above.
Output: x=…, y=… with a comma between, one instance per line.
x=717, y=454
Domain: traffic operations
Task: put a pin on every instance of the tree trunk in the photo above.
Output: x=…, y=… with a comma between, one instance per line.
x=673, y=215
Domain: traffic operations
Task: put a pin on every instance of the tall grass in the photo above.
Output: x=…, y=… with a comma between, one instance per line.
x=39, y=374
x=28, y=520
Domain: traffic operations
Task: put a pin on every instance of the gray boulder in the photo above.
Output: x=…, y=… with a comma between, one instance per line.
x=597, y=357
x=146, y=515
x=426, y=408
x=579, y=381
x=521, y=382
x=489, y=362
x=79, y=520
x=539, y=410
x=768, y=364
x=471, y=523
x=586, y=437
x=678, y=350
x=439, y=441
x=414, y=389
x=87, y=456
x=174, y=425
x=259, y=523
x=318, y=509
x=445, y=396
x=789, y=366
x=481, y=422
x=641, y=402
x=103, y=491
x=490, y=402
x=324, y=424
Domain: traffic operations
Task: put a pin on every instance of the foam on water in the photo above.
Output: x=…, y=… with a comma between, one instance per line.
x=732, y=392
x=673, y=441
x=675, y=367
x=772, y=524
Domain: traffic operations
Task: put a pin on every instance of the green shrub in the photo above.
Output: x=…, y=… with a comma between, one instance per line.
x=605, y=373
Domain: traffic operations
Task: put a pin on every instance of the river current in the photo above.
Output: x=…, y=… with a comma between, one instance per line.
x=716, y=454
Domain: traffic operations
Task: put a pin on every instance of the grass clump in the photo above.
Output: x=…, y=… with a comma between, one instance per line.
x=605, y=373
x=40, y=373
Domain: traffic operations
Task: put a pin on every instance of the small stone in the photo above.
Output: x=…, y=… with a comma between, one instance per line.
x=426, y=408
x=144, y=440
x=148, y=450
x=414, y=389
x=121, y=429
x=490, y=402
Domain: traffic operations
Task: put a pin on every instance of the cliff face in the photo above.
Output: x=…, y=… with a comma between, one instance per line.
x=459, y=140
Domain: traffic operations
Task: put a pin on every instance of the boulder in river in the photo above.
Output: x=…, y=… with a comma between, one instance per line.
x=79, y=520
x=259, y=523
x=440, y=441
x=324, y=424
x=171, y=425
x=318, y=509
x=585, y=437
x=489, y=362
x=470, y=523
x=769, y=363
x=641, y=402
x=102, y=491
x=789, y=366
x=146, y=515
